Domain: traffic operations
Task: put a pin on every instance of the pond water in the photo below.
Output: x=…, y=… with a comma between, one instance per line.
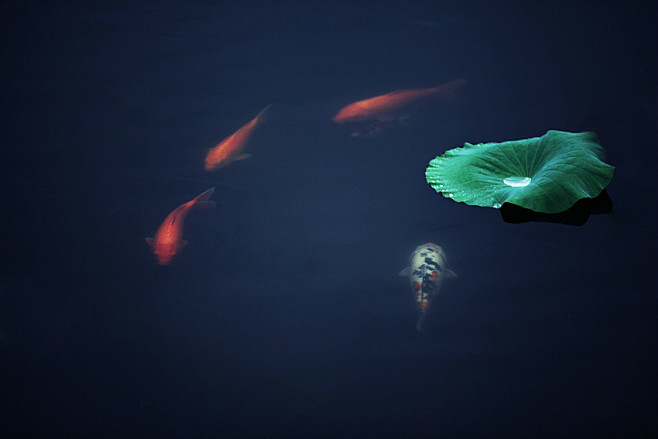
x=284, y=315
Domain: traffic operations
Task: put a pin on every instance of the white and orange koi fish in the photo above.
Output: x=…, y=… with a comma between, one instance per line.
x=426, y=273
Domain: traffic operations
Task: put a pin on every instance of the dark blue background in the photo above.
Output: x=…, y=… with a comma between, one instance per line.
x=284, y=316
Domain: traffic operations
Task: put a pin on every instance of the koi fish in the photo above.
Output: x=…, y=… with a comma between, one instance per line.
x=391, y=106
x=426, y=272
x=230, y=149
x=169, y=238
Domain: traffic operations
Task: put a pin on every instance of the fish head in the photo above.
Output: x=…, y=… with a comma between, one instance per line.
x=429, y=253
x=215, y=160
x=430, y=246
x=165, y=253
x=219, y=156
x=211, y=166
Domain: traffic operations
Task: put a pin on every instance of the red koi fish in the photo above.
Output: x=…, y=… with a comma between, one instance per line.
x=169, y=238
x=230, y=149
x=392, y=105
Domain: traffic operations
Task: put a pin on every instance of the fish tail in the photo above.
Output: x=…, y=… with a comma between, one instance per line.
x=262, y=112
x=205, y=196
x=202, y=200
x=419, y=323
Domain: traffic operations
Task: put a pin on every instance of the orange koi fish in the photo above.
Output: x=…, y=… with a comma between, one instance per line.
x=169, y=238
x=392, y=105
x=230, y=149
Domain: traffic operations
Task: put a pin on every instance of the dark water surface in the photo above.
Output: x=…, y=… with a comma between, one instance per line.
x=284, y=316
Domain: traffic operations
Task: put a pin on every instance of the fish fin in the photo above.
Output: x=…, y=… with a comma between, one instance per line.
x=150, y=241
x=241, y=157
x=404, y=272
x=419, y=323
x=451, y=273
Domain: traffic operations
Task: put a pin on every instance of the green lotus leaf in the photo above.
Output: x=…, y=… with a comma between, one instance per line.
x=546, y=174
